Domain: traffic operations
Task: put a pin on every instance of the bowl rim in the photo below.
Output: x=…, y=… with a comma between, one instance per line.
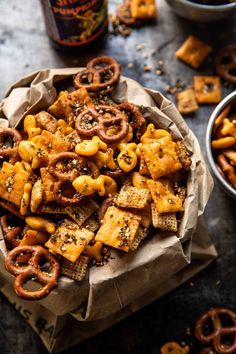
x=216, y=8
x=211, y=160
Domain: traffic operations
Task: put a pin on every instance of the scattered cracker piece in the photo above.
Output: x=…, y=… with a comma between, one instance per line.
x=143, y=9
x=183, y=155
x=12, y=181
x=161, y=157
x=193, y=51
x=163, y=197
x=94, y=251
x=91, y=224
x=69, y=240
x=77, y=270
x=82, y=212
x=132, y=197
x=186, y=101
x=48, y=185
x=118, y=228
x=165, y=222
x=141, y=234
x=207, y=89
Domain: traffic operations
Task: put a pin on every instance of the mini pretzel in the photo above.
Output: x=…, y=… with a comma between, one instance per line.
x=10, y=233
x=123, y=13
x=215, y=337
x=69, y=162
x=48, y=280
x=227, y=169
x=9, y=151
x=135, y=117
x=5, y=204
x=226, y=63
x=85, y=167
x=96, y=121
x=60, y=189
x=101, y=74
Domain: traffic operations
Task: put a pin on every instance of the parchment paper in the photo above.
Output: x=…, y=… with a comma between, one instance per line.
x=75, y=311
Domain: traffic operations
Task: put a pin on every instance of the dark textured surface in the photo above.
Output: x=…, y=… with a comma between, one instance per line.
x=24, y=48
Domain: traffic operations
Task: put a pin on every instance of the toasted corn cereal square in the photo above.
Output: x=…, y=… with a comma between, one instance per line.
x=141, y=233
x=48, y=185
x=91, y=224
x=12, y=181
x=143, y=9
x=132, y=197
x=193, y=51
x=183, y=155
x=52, y=208
x=76, y=270
x=82, y=212
x=69, y=240
x=161, y=157
x=94, y=251
x=118, y=228
x=163, y=197
x=207, y=89
x=165, y=222
x=186, y=101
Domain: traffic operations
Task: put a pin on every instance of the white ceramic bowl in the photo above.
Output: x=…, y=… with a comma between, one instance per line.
x=231, y=98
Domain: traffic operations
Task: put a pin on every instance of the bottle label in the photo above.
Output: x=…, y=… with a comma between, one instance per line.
x=74, y=22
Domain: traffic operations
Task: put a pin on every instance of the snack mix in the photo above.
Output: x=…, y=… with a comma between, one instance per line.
x=82, y=177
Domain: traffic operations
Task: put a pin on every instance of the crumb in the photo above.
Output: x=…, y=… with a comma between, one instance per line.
x=140, y=46
x=147, y=68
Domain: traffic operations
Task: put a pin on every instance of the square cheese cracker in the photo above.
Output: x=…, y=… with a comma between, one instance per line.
x=163, y=196
x=193, y=51
x=118, y=228
x=207, y=89
x=69, y=240
x=186, y=101
x=161, y=157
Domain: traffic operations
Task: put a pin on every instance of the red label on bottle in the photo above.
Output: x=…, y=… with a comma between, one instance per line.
x=74, y=22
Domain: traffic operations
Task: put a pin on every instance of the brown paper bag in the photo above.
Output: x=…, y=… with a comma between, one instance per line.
x=75, y=311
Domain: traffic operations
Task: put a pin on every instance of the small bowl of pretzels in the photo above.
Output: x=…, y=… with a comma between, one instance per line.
x=221, y=143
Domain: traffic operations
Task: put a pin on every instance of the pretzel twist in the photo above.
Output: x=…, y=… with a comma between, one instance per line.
x=226, y=63
x=11, y=152
x=10, y=233
x=32, y=270
x=85, y=167
x=101, y=74
x=135, y=117
x=69, y=170
x=215, y=337
x=96, y=121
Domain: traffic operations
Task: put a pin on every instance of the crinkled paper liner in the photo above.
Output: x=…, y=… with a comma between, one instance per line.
x=75, y=311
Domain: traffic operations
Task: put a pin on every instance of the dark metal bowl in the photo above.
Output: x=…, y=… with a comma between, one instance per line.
x=202, y=13
x=231, y=98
